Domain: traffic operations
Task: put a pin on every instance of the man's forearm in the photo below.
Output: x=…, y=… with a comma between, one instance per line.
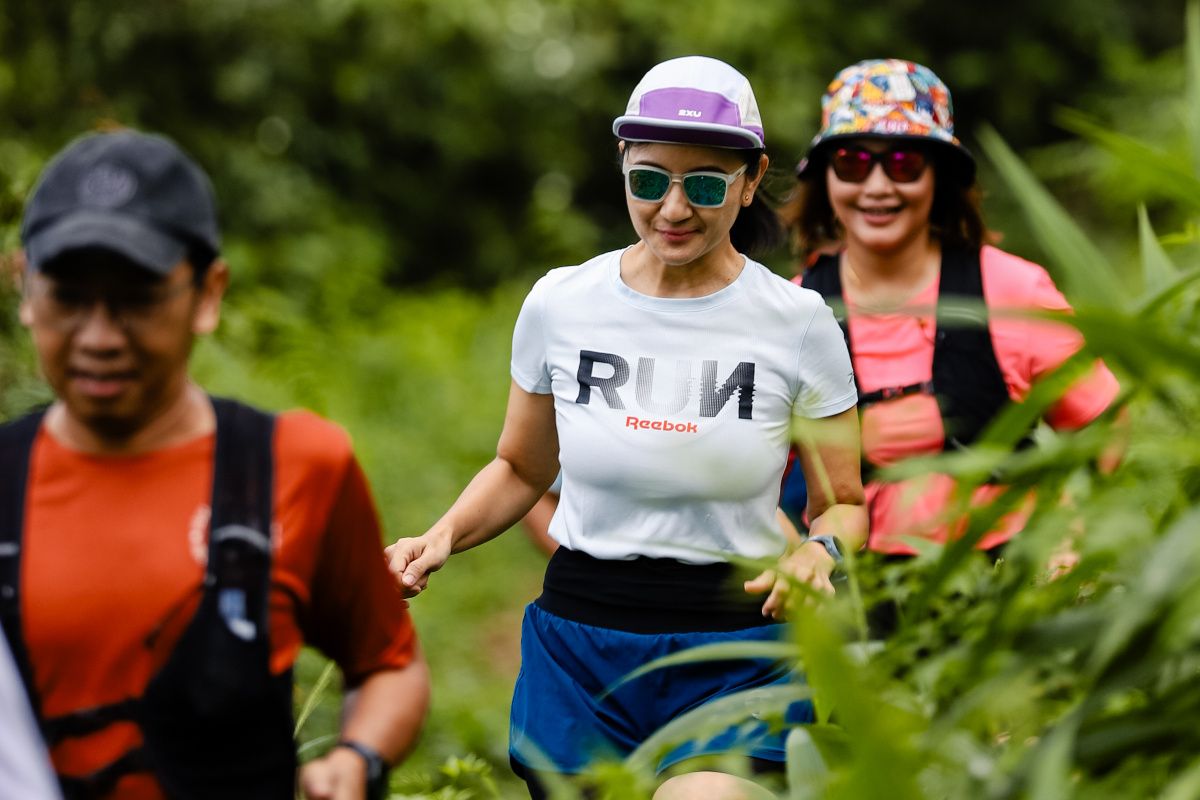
x=386, y=712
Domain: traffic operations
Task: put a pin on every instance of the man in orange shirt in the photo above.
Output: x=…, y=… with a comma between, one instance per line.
x=165, y=554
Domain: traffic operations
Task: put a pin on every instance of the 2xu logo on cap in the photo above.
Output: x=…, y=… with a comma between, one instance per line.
x=690, y=112
x=107, y=186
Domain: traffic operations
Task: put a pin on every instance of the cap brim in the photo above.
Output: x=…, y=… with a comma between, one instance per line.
x=966, y=160
x=707, y=134
x=132, y=237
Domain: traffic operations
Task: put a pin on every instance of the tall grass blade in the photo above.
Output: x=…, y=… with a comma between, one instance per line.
x=1164, y=171
x=316, y=744
x=556, y=785
x=721, y=651
x=314, y=697
x=1050, y=773
x=1192, y=100
x=1158, y=272
x=1186, y=786
x=806, y=770
x=1084, y=272
x=1127, y=341
x=747, y=708
x=883, y=760
x=1168, y=568
x=1151, y=303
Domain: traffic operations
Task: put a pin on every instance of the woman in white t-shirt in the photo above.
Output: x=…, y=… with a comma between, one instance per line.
x=668, y=379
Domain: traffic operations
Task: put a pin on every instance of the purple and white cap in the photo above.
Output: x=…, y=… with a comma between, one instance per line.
x=693, y=100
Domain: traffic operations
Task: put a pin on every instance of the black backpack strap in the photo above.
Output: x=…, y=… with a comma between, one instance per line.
x=16, y=448
x=966, y=375
x=217, y=686
x=88, y=720
x=243, y=473
x=824, y=278
x=243, y=480
x=104, y=780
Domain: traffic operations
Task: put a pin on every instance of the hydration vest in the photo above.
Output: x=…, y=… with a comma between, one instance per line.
x=967, y=381
x=215, y=722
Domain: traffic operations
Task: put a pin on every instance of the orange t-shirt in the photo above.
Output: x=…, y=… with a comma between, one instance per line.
x=896, y=349
x=114, y=559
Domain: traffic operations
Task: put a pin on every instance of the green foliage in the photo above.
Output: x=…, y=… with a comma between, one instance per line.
x=468, y=778
x=470, y=140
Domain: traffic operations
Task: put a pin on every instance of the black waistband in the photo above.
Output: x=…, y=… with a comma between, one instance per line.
x=649, y=595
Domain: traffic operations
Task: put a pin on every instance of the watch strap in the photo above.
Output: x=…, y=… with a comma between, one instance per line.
x=832, y=545
x=377, y=768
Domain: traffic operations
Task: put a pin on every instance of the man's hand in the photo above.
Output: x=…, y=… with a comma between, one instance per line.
x=339, y=775
x=809, y=563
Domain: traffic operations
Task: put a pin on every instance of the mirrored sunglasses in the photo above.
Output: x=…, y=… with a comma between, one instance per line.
x=900, y=164
x=703, y=189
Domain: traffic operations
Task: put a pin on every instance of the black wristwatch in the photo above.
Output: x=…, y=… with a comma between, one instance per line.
x=832, y=545
x=377, y=768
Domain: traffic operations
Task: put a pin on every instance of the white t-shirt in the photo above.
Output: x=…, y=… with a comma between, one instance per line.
x=24, y=765
x=674, y=415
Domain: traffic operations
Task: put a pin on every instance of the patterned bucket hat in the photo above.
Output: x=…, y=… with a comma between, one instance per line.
x=886, y=98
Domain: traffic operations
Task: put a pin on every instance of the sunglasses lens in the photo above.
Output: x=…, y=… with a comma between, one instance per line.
x=854, y=165
x=851, y=164
x=903, y=166
x=705, y=190
x=647, y=184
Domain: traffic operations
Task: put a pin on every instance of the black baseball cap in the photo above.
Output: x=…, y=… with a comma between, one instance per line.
x=134, y=193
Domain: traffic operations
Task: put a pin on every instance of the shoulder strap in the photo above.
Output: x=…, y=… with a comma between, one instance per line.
x=243, y=483
x=243, y=474
x=825, y=278
x=966, y=375
x=16, y=449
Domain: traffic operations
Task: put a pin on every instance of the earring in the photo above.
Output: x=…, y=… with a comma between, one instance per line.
x=746, y=199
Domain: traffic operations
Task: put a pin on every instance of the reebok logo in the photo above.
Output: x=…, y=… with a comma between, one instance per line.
x=660, y=425
x=608, y=372
x=690, y=112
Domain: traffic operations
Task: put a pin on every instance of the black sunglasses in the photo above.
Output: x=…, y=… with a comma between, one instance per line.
x=900, y=164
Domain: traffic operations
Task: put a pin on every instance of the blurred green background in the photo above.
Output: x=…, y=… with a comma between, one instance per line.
x=394, y=174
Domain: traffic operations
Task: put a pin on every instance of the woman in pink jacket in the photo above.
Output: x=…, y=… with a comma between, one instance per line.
x=887, y=221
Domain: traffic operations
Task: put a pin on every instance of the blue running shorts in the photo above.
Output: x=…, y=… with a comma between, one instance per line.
x=559, y=724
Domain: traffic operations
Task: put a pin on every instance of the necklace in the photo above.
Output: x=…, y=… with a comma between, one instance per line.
x=867, y=296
